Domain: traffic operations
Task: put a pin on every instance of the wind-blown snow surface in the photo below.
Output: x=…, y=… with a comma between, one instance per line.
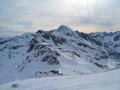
x=59, y=52
x=102, y=81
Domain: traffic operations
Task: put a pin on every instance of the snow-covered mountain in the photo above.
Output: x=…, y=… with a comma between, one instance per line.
x=58, y=52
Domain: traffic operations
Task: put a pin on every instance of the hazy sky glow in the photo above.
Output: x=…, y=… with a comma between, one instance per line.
x=19, y=16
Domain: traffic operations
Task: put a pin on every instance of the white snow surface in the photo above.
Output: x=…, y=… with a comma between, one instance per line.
x=72, y=54
x=101, y=81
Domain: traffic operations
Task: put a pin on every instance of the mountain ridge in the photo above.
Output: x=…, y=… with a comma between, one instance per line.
x=58, y=52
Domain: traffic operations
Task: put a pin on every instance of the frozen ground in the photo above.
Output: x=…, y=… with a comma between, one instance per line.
x=101, y=81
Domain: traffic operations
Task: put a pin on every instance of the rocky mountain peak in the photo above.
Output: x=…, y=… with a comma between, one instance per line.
x=64, y=28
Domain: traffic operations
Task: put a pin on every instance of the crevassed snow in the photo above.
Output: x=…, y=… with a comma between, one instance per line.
x=101, y=81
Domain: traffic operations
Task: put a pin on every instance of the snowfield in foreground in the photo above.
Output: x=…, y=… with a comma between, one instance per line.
x=101, y=81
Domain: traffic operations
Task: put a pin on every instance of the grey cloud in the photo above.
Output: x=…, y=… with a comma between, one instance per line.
x=16, y=15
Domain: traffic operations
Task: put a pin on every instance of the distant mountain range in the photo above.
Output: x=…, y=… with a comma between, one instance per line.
x=58, y=52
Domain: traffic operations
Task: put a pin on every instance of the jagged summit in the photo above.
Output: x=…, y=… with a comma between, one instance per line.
x=61, y=28
x=64, y=28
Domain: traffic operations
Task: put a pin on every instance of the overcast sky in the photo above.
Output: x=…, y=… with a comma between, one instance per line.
x=19, y=16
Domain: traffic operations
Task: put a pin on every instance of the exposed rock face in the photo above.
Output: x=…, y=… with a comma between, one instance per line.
x=58, y=52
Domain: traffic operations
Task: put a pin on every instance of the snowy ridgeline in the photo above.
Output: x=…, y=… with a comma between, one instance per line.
x=59, y=52
x=101, y=81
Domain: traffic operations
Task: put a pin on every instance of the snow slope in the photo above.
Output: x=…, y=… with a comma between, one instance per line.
x=58, y=52
x=102, y=81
